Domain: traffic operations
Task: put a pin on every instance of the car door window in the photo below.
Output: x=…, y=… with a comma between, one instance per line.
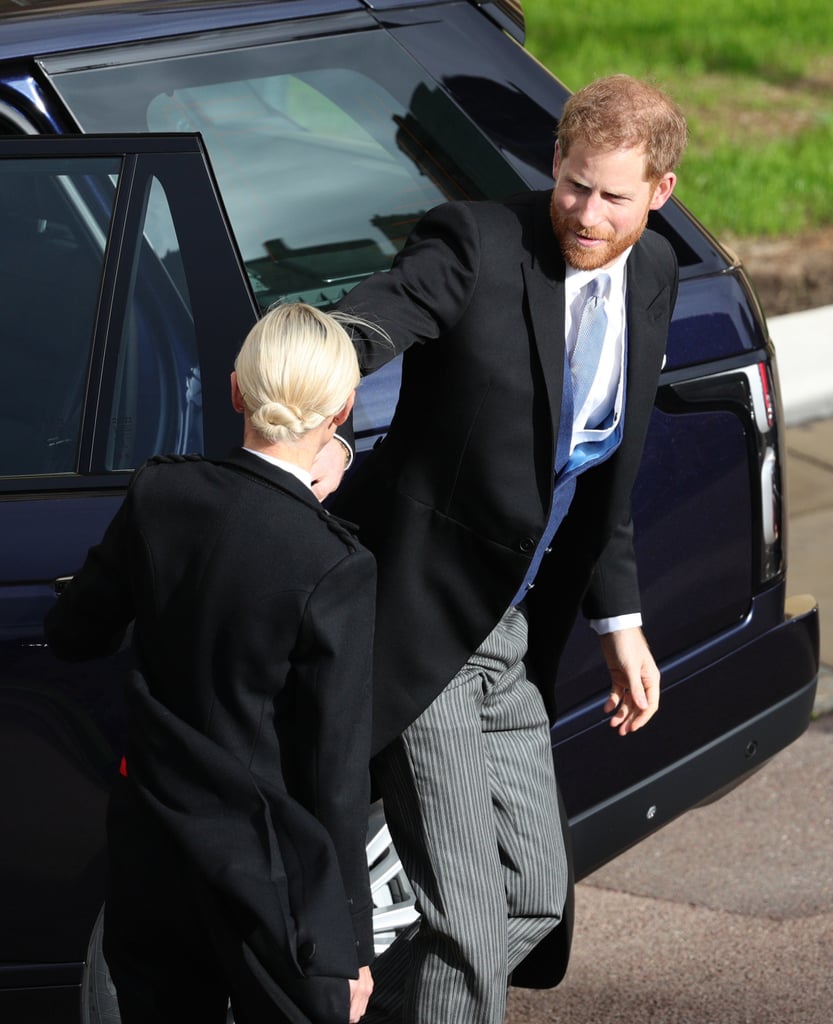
x=51, y=258
x=57, y=220
x=124, y=301
x=157, y=395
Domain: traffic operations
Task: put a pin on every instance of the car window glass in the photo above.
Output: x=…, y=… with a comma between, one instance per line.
x=326, y=151
x=55, y=215
x=157, y=400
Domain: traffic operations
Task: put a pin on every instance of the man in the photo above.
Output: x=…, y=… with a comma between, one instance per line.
x=497, y=506
x=236, y=832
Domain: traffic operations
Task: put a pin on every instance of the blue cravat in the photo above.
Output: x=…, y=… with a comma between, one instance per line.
x=589, y=341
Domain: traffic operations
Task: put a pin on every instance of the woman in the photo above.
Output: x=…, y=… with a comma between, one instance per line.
x=236, y=832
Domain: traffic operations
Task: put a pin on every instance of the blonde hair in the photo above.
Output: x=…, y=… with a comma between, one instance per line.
x=296, y=367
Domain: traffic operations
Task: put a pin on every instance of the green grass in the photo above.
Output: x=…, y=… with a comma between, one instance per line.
x=755, y=79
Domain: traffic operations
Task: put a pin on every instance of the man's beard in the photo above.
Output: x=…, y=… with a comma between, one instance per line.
x=599, y=256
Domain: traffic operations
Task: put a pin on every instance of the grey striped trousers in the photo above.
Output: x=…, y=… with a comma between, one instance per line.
x=469, y=795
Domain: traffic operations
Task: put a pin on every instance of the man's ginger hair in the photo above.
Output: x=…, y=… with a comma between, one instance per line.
x=620, y=112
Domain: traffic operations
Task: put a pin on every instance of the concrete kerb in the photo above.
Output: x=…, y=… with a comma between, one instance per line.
x=804, y=353
x=824, y=694
x=803, y=348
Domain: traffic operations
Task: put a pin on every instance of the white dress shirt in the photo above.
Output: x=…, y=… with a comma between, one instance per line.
x=607, y=390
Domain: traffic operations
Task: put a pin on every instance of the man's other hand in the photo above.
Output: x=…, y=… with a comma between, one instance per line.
x=634, y=696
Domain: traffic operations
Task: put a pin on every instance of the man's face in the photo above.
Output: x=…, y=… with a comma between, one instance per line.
x=600, y=203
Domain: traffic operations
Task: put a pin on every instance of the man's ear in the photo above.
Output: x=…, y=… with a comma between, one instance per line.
x=556, y=160
x=345, y=410
x=236, y=394
x=662, y=190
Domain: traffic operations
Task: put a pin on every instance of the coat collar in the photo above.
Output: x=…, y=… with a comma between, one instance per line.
x=243, y=461
x=252, y=465
x=648, y=309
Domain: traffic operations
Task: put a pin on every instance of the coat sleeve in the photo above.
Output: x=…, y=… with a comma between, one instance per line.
x=334, y=684
x=91, y=616
x=614, y=585
x=425, y=292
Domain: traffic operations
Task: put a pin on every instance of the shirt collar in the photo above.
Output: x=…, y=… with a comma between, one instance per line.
x=289, y=467
x=575, y=279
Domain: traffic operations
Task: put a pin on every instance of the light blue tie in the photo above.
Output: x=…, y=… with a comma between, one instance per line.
x=589, y=341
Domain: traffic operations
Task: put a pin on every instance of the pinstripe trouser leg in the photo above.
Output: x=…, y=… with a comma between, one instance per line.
x=469, y=794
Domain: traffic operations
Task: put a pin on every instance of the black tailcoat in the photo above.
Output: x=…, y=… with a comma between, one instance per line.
x=249, y=705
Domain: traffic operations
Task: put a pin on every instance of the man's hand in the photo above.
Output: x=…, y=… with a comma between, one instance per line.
x=360, y=991
x=328, y=468
x=634, y=697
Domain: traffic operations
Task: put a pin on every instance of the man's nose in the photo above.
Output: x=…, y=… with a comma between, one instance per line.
x=590, y=209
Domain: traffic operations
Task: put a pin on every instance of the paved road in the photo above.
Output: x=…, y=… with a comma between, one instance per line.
x=723, y=917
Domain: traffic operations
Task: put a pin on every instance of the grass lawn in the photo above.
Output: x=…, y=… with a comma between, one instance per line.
x=754, y=78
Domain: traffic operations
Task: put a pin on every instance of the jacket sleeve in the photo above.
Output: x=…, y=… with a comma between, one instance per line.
x=334, y=686
x=425, y=292
x=614, y=585
x=91, y=616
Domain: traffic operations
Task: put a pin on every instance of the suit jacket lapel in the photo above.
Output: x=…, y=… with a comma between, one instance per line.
x=647, y=330
x=544, y=280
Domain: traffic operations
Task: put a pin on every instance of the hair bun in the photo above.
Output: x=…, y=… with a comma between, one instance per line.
x=287, y=417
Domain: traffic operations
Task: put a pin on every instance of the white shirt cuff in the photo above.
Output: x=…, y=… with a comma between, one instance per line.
x=617, y=622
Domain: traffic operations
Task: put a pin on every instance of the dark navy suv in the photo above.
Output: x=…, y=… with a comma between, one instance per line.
x=167, y=170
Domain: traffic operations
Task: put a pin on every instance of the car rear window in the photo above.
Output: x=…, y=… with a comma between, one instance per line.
x=326, y=150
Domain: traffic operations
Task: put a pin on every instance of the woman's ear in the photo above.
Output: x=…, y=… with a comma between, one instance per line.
x=345, y=410
x=236, y=394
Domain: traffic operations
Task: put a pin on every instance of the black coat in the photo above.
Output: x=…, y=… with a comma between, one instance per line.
x=249, y=703
x=453, y=501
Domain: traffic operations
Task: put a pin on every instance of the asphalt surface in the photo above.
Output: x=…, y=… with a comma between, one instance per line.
x=725, y=916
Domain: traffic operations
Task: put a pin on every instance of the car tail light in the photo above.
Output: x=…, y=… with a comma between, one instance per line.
x=751, y=393
x=766, y=392
x=762, y=397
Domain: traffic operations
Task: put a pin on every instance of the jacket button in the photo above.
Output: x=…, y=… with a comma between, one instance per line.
x=527, y=545
x=306, y=952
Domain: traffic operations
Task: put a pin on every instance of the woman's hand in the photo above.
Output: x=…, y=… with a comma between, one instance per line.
x=360, y=991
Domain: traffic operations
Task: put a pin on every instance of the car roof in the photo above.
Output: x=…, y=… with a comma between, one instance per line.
x=36, y=27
